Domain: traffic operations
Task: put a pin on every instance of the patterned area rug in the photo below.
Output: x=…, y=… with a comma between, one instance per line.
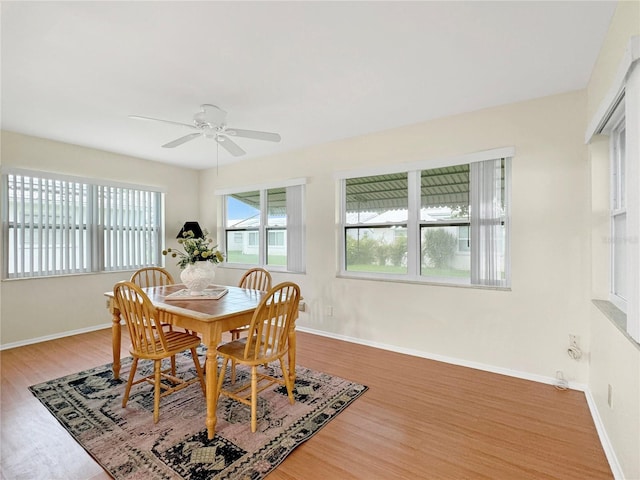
x=128, y=445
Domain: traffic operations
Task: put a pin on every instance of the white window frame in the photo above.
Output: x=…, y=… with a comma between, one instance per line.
x=413, y=224
x=618, y=202
x=295, y=228
x=624, y=95
x=88, y=236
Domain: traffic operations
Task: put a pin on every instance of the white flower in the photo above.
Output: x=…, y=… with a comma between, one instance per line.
x=195, y=250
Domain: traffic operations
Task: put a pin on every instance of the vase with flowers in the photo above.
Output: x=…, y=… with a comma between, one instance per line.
x=197, y=261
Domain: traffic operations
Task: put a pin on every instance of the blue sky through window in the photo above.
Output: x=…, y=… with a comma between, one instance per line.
x=237, y=210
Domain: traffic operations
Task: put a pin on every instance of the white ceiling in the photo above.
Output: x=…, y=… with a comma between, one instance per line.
x=312, y=71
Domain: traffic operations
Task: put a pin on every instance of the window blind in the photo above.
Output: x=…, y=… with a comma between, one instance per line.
x=56, y=225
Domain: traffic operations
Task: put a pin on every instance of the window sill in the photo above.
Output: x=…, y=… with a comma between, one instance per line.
x=615, y=316
x=389, y=279
x=246, y=266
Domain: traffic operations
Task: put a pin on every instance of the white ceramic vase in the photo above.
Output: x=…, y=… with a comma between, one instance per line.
x=198, y=276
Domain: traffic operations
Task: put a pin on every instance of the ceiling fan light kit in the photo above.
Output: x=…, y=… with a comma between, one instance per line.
x=210, y=122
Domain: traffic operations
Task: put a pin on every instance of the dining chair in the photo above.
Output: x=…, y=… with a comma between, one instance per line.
x=152, y=277
x=150, y=342
x=268, y=340
x=256, y=279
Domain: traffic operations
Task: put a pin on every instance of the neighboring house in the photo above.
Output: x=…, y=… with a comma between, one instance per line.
x=246, y=241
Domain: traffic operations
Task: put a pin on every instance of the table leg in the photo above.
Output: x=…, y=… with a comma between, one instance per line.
x=212, y=340
x=115, y=340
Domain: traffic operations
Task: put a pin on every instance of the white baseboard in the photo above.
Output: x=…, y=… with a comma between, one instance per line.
x=602, y=434
x=604, y=438
x=46, y=338
x=445, y=359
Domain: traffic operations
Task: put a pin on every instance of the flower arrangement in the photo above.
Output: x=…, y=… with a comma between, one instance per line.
x=195, y=250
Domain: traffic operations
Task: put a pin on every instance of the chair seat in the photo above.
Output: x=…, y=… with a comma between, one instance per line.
x=235, y=351
x=241, y=329
x=176, y=343
x=236, y=332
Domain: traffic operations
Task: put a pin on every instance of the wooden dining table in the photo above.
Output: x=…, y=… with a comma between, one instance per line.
x=208, y=317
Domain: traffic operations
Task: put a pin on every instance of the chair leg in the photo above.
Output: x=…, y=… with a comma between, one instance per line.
x=287, y=381
x=196, y=362
x=156, y=390
x=132, y=374
x=173, y=365
x=254, y=398
x=233, y=372
x=225, y=361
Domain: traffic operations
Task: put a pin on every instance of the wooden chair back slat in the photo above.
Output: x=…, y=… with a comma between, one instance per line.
x=152, y=277
x=256, y=279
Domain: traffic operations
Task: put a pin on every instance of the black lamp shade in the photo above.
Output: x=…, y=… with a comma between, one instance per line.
x=194, y=227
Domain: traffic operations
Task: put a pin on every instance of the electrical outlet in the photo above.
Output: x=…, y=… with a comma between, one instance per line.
x=328, y=311
x=610, y=396
x=574, y=349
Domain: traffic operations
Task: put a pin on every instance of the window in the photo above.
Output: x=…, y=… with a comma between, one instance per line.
x=618, y=210
x=276, y=239
x=618, y=117
x=443, y=225
x=376, y=219
x=55, y=225
x=253, y=240
x=276, y=248
x=264, y=226
x=444, y=217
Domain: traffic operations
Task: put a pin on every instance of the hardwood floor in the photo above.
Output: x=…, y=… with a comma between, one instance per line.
x=420, y=419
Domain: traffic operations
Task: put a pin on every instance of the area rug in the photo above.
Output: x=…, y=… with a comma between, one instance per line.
x=128, y=445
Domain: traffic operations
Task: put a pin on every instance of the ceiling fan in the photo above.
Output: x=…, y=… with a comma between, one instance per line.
x=210, y=122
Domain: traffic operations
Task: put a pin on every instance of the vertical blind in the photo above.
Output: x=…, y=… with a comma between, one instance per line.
x=295, y=229
x=53, y=225
x=130, y=223
x=487, y=205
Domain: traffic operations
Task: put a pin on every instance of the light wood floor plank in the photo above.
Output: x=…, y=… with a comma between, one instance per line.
x=420, y=419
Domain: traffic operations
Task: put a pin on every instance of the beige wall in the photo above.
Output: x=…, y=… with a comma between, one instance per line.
x=614, y=359
x=522, y=330
x=34, y=308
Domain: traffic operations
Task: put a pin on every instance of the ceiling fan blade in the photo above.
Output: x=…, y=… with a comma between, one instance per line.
x=231, y=147
x=139, y=117
x=181, y=140
x=255, y=134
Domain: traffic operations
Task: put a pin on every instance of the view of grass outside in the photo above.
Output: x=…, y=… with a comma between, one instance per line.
x=372, y=250
x=236, y=256
x=444, y=272
x=279, y=260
